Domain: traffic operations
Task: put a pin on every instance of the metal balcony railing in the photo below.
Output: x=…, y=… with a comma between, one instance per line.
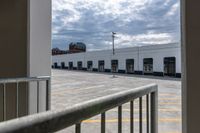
x=53, y=121
x=25, y=80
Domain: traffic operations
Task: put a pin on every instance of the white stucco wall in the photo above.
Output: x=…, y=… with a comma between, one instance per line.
x=157, y=52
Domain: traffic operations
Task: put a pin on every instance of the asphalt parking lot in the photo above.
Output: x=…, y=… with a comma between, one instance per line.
x=73, y=87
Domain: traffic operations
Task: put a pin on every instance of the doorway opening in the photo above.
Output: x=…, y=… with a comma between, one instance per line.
x=70, y=66
x=80, y=65
x=148, y=66
x=55, y=65
x=89, y=65
x=63, y=65
x=170, y=66
x=101, y=66
x=130, y=66
x=114, y=66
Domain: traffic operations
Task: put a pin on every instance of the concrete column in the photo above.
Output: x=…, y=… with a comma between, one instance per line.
x=191, y=65
x=39, y=46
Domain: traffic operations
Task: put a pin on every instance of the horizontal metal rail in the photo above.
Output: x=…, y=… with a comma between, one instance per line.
x=23, y=79
x=52, y=121
x=17, y=81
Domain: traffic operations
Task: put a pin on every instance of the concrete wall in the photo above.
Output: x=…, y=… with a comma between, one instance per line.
x=191, y=65
x=157, y=52
x=13, y=55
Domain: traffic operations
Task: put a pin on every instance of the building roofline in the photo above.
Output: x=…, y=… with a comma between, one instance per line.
x=135, y=48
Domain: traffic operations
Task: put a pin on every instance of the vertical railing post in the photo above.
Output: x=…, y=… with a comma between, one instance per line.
x=140, y=115
x=154, y=112
x=132, y=117
x=48, y=94
x=78, y=128
x=103, y=122
x=17, y=100
x=4, y=101
x=147, y=112
x=120, y=119
x=27, y=84
x=38, y=96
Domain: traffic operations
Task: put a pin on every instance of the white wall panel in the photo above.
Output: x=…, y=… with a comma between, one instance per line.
x=157, y=52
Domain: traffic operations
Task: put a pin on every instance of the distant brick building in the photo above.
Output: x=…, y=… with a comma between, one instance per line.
x=74, y=47
x=57, y=51
x=77, y=47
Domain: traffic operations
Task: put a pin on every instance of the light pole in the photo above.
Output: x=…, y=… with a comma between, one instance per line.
x=113, y=43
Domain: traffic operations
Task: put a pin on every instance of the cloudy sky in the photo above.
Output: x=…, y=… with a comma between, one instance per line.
x=136, y=22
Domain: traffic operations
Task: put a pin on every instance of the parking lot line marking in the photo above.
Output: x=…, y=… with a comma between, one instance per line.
x=168, y=94
x=168, y=120
x=169, y=110
x=177, y=99
x=171, y=103
x=172, y=132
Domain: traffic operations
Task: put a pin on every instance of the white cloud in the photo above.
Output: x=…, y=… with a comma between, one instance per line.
x=173, y=10
x=125, y=40
x=135, y=21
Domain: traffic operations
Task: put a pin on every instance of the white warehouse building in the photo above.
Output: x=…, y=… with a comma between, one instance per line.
x=158, y=60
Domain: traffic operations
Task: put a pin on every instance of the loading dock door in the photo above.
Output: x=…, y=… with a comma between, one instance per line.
x=89, y=65
x=70, y=65
x=62, y=65
x=55, y=65
x=170, y=66
x=101, y=66
x=79, y=63
x=130, y=66
x=114, y=66
x=148, y=66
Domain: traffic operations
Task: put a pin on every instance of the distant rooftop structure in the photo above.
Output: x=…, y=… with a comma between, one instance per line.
x=57, y=51
x=74, y=47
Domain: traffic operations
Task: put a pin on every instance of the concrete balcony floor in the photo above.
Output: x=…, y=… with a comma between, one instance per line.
x=71, y=87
